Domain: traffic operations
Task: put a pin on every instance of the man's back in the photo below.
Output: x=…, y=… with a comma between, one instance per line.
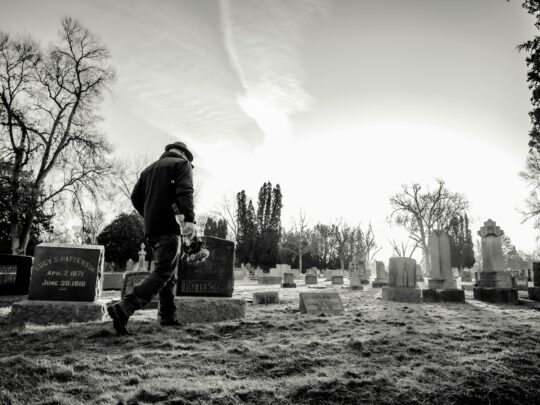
x=165, y=182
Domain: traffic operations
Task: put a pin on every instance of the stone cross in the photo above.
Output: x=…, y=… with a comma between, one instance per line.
x=492, y=255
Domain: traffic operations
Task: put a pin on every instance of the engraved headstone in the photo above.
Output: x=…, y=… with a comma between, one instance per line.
x=288, y=280
x=402, y=281
x=15, y=274
x=358, y=266
x=214, y=277
x=381, y=279
x=67, y=272
x=321, y=303
x=129, y=265
x=311, y=279
x=441, y=269
x=495, y=284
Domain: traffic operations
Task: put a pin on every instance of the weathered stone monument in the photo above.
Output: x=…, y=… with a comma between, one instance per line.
x=133, y=279
x=129, y=265
x=441, y=284
x=355, y=269
x=311, y=279
x=534, y=292
x=265, y=297
x=204, y=289
x=402, y=281
x=381, y=279
x=15, y=274
x=494, y=284
x=337, y=280
x=320, y=303
x=65, y=284
x=288, y=280
x=419, y=273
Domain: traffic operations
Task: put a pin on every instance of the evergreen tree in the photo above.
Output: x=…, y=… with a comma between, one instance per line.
x=216, y=228
x=122, y=238
x=461, y=243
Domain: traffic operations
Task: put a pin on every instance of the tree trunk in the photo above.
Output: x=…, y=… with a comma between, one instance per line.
x=425, y=251
x=300, y=262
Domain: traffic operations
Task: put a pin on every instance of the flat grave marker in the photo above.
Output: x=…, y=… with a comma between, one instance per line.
x=321, y=303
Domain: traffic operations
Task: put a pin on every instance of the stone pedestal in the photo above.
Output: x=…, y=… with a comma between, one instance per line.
x=401, y=294
x=267, y=280
x=311, y=279
x=438, y=295
x=56, y=312
x=534, y=293
x=265, y=297
x=496, y=295
x=522, y=284
x=209, y=309
x=337, y=279
x=442, y=284
x=466, y=276
x=495, y=279
x=379, y=283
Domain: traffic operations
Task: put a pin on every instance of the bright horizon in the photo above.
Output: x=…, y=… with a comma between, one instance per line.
x=340, y=102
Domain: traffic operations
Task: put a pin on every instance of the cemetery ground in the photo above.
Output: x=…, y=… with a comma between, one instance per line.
x=376, y=352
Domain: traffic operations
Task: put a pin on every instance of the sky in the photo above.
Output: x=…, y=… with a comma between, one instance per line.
x=340, y=102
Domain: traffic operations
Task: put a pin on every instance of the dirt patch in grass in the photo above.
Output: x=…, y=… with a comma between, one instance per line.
x=377, y=352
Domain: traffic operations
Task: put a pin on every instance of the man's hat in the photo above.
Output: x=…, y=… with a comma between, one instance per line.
x=182, y=146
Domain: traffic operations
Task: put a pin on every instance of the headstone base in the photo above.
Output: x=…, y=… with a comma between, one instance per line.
x=434, y=284
x=364, y=281
x=266, y=297
x=402, y=294
x=522, y=284
x=356, y=287
x=496, y=295
x=495, y=279
x=467, y=287
x=288, y=285
x=209, y=309
x=267, y=280
x=154, y=304
x=379, y=284
x=534, y=293
x=440, y=295
x=56, y=312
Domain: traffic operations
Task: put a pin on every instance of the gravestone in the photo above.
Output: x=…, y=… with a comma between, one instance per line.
x=288, y=280
x=419, y=273
x=133, y=279
x=129, y=265
x=381, y=279
x=241, y=274
x=466, y=276
x=320, y=303
x=265, y=297
x=15, y=274
x=204, y=290
x=311, y=279
x=441, y=285
x=534, y=291
x=401, y=281
x=494, y=284
x=268, y=280
x=113, y=281
x=65, y=284
x=355, y=269
x=337, y=280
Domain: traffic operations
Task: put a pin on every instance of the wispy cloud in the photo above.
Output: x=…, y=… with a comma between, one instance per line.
x=263, y=40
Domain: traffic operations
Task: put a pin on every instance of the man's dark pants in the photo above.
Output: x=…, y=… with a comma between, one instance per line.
x=162, y=279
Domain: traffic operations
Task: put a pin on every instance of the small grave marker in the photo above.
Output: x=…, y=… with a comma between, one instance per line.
x=321, y=303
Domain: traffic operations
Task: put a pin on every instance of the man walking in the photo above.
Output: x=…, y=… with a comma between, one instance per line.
x=165, y=184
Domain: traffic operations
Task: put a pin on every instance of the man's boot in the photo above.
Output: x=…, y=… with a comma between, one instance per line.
x=119, y=318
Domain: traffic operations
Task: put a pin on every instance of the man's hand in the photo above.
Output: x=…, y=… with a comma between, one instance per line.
x=188, y=230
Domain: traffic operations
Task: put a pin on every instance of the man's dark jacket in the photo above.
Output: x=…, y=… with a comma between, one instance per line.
x=165, y=182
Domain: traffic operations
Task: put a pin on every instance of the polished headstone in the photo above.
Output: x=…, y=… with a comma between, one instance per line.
x=15, y=274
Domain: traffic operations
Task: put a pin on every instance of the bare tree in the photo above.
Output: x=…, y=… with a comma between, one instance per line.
x=403, y=250
x=422, y=212
x=343, y=234
x=298, y=237
x=48, y=105
x=323, y=243
x=531, y=175
x=365, y=245
x=227, y=211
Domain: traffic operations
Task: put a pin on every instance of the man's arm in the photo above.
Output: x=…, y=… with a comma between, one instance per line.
x=184, y=190
x=137, y=196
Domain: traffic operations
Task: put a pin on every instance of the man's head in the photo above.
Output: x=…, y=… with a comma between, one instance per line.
x=181, y=149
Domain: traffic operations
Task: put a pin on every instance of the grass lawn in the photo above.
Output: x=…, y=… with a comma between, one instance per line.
x=377, y=352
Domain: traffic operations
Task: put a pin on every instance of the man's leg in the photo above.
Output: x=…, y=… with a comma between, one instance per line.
x=167, y=308
x=166, y=255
